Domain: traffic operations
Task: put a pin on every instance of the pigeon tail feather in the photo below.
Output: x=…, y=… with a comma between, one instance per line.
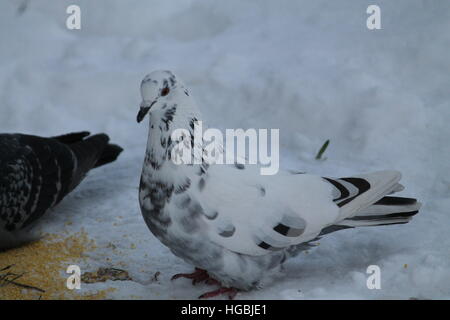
x=371, y=206
x=92, y=152
x=109, y=154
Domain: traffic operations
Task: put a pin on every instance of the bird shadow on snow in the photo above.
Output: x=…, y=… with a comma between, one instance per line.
x=331, y=264
x=334, y=261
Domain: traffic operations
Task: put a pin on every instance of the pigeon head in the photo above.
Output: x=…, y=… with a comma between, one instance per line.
x=157, y=89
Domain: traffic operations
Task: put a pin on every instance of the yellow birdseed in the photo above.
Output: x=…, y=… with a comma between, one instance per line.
x=43, y=264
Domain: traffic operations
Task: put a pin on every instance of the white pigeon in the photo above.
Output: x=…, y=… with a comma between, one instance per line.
x=233, y=224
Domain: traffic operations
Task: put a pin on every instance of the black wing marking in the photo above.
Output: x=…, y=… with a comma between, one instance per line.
x=266, y=246
x=278, y=238
x=383, y=217
x=347, y=189
x=395, y=201
x=343, y=192
x=291, y=226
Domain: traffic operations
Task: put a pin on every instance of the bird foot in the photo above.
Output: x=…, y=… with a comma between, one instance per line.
x=231, y=292
x=199, y=275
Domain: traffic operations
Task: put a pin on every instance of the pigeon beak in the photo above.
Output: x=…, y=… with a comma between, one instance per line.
x=143, y=112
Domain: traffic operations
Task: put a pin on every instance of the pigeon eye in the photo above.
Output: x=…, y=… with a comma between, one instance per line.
x=165, y=91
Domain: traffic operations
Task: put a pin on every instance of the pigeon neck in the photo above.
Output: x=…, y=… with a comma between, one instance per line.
x=163, y=122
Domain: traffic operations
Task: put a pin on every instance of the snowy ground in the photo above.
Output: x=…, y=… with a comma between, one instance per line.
x=311, y=68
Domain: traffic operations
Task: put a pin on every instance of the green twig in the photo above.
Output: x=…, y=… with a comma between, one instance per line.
x=322, y=150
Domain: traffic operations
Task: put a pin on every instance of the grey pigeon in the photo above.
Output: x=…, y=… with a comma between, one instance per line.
x=36, y=173
x=233, y=224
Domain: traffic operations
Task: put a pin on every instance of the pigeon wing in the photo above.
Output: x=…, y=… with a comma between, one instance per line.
x=253, y=214
x=39, y=173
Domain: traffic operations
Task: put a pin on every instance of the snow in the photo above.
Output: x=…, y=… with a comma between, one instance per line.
x=311, y=68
